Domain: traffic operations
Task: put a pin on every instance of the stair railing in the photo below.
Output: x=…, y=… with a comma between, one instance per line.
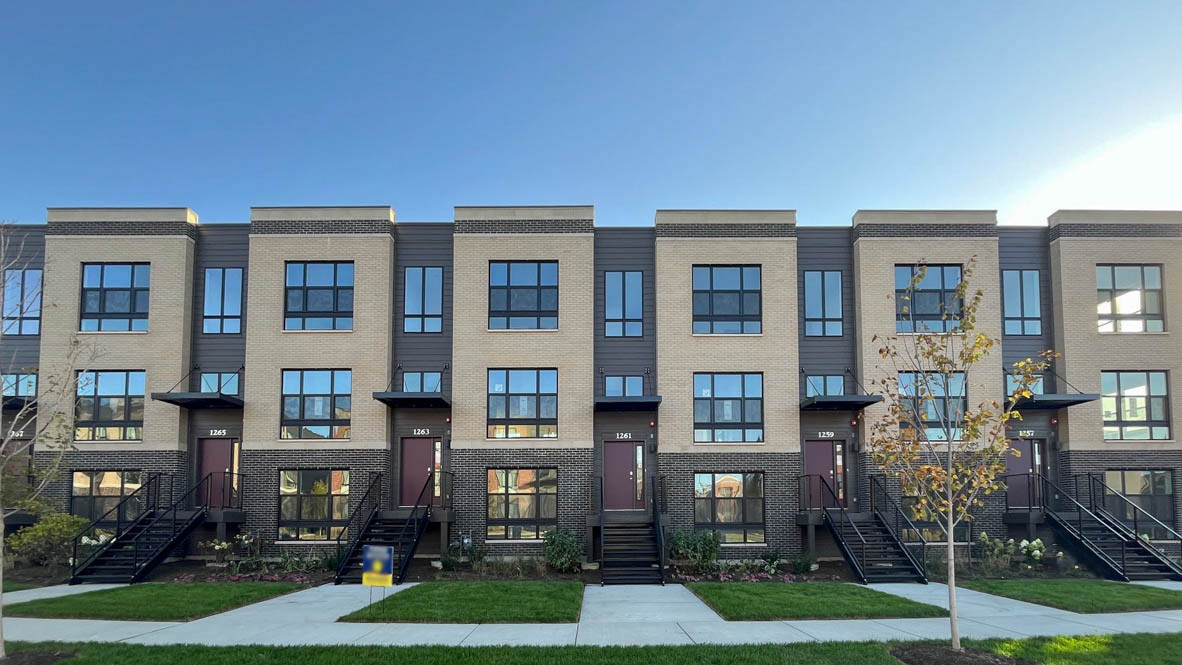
x=602, y=539
x=420, y=524
x=658, y=527
x=359, y=520
x=196, y=502
x=1048, y=489
x=1098, y=494
x=895, y=520
x=856, y=560
x=447, y=480
x=145, y=499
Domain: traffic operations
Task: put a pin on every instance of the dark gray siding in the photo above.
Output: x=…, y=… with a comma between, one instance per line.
x=827, y=249
x=23, y=249
x=425, y=245
x=626, y=249
x=218, y=246
x=1028, y=249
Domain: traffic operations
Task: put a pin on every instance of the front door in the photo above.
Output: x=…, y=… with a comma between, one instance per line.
x=219, y=461
x=419, y=458
x=1025, y=456
x=825, y=458
x=623, y=475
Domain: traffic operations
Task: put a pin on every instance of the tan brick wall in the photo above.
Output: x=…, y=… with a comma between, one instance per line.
x=162, y=352
x=1087, y=352
x=680, y=353
x=365, y=350
x=570, y=348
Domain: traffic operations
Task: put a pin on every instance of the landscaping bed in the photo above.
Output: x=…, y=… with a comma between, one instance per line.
x=811, y=600
x=1081, y=595
x=154, y=602
x=478, y=602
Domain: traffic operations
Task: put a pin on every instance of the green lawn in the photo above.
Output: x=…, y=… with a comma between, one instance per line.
x=749, y=601
x=1091, y=650
x=1085, y=596
x=13, y=585
x=478, y=602
x=154, y=602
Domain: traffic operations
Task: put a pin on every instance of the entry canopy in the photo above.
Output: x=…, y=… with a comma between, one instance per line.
x=401, y=400
x=839, y=402
x=632, y=403
x=1055, y=401
x=214, y=400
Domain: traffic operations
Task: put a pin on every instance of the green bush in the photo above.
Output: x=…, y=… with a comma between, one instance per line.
x=49, y=542
x=699, y=548
x=563, y=550
x=801, y=564
x=449, y=559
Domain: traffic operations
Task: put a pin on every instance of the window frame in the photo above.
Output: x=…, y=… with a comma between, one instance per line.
x=625, y=380
x=221, y=382
x=540, y=524
x=810, y=385
x=222, y=317
x=506, y=422
x=709, y=318
x=342, y=319
x=629, y=326
x=905, y=299
x=713, y=426
x=825, y=320
x=422, y=381
x=542, y=317
x=90, y=498
x=1115, y=319
x=423, y=316
x=1153, y=498
x=94, y=423
x=1119, y=423
x=300, y=523
x=334, y=424
x=746, y=526
x=132, y=316
x=947, y=402
x=1023, y=319
x=27, y=302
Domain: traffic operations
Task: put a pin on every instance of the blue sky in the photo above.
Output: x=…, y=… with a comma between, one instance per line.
x=1023, y=107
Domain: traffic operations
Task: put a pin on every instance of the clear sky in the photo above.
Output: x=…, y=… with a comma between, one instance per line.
x=1024, y=107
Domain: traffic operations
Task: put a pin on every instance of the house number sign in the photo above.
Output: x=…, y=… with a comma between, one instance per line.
x=422, y=431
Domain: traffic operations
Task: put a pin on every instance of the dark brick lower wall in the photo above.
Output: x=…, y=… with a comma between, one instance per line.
x=153, y=461
x=1072, y=462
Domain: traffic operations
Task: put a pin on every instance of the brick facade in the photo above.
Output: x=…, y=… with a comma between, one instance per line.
x=58, y=491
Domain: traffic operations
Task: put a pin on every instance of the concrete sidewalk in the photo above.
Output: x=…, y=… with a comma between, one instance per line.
x=612, y=615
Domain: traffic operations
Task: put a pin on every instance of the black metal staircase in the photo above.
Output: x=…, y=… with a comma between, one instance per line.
x=633, y=552
x=371, y=525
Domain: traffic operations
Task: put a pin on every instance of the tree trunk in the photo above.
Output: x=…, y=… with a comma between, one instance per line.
x=953, y=620
x=3, y=651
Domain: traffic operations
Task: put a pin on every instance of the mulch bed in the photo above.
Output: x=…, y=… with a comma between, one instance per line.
x=938, y=655
x=35, y=657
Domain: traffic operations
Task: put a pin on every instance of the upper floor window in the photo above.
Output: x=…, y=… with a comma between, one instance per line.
x=422, y=311
x=223, y=301
x=1129, y=298
x=94, y=493
x=319, y=296
x=110, y=406
x=522, y=403
x=822, y=303
x=824, y=384
x=1036, y=386
x=22, y=302
x=523, y=295
x=730, y=504
x=728, y=408
x=115, y=296
x=19, y=385
x=727, y=300
x=1136, y=405
x=219, y=382
x=313, y=503
x=1022, y=302
x=317, y=404
x=931, y=305
x=422, y=382
x=623, y=304
x=623, y=386
x=938, y=400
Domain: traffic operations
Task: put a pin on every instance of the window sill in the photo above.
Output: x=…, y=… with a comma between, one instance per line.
x=520, y=330
x=113, y=332
x=1140, y=441
x=297, y=440
x=759, y=334
x=285, y=330
x=730, y=443
x=522, y=438
x=322, y=543
x=743, y=544
x=497, y=541
x=108, y=441
x=1117, y=333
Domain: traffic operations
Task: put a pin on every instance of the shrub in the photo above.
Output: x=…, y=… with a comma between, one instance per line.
x=477, y=554
x=563, y=550
x=699, y=548
x=801, y=564
x=449, y=560
x=995, y=554
x=49, y=542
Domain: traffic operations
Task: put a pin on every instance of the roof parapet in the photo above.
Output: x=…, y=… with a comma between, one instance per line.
x=1115, y=217
x=321, y=213
x=68, y=215
x=925, y=217
x=725, y=217
x=524, y=213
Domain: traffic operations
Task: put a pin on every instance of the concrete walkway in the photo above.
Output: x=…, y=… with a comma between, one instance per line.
x=56, y=591
x=613, y=615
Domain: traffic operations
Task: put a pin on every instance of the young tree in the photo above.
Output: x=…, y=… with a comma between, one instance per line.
x=945, y=452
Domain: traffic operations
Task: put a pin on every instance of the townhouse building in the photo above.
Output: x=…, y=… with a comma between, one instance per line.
x=325, y=377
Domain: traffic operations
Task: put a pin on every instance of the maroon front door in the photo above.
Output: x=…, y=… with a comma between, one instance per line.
x=825, y=458
x=218, y=462
x=623, y=475
x=419, y=458
x=1022, y=490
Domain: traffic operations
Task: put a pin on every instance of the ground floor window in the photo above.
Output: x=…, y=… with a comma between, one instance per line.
x=1152, y=491
x=522, y=503
x=313, y=504
x=730, y=504
x=94, y=493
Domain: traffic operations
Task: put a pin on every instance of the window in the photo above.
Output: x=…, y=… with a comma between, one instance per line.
x=219, y=382
x=93, y=493
x=317, y=404
x=422, y=311
x=422, y=382
x=931, y=305
x=623, y=304
x=319, y=296
x=623, y=386
x=1152, y=491
x=522, y=403
x=223, y=301
x=1129, y=298
x=110, y=406
x=822, y=303
x=22, y=302
x=728, y=408
x=19, y=385
x=828, y=384
x=1136, y=405
x=1036, y=387
x=523, y=295
x=115, y=296
x=313, y=504
x=938, y=399
x=731, y=505
x=522, y=503
x=727, y=300
x=1022, y=302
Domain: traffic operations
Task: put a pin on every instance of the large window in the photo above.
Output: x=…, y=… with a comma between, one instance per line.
x=115, y=296
x=623, y=386
x=19, y=385
x=422, y=311
x=317, y=404
x=728, y=408
x=931, y=305
x=522, y=403
x=727, y=300
x=313, y=504
x=522, y=295
x=1136, y=405
x=1022, y=302
x=1037, y=385
x=319, y=296
x=219, y=382
x=223, y=301
x=623, y=302
x=110, y=406
x=422, y=382
x=824, y=384
x=1129, y=298
x=22, y=302
x=93, y=493
x=522, y=503
x=937, y=399
x=822, y=303
x=1152, y=491
x=731, y=505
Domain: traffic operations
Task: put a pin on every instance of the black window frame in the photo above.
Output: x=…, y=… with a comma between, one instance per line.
x=1027, y=324
x=1162, y=399
x=713, y=426
x=624, y=325
x=943, y=321
x=624, y=381
x=129, y=398
x=942, y=403
x=824, y=322
x=422, y=376
x=544, y=318
x=25, y=322
x=1110, y=295
x=332, y=525
x=224, y=381
x=341, y=318
x=18, y=380
x=422, y=317
x=95, y=509
x=506, y=422
x=137, y=319
x=1037, y=386
x=746, y=504
x=335, y=424
x=811, y=384
x=540, y=524
x=221, y=317
x=703, y=301
x=1160, y=505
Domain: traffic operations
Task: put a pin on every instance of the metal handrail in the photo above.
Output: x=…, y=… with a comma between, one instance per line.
x=353, y=531
x=172, y=513
x=602, y=540
x=876, y=488
x=858, y=564
x=659, y=528
x=447, y=483
x=1044, y=484
x=149, y=491
x=420, y=525
x=1101, y=508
